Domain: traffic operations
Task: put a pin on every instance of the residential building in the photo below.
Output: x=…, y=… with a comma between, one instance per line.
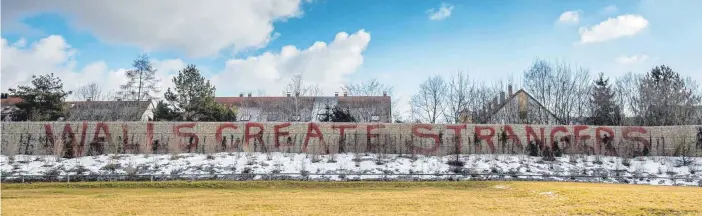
x=110, y=110
x=9, y=106
x=516, y=108
x=308, y=108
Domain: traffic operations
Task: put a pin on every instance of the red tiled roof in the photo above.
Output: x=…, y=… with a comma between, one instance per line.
x=279, y=99
x=10, y=101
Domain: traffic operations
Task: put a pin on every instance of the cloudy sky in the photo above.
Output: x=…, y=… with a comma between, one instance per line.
x=257, y=45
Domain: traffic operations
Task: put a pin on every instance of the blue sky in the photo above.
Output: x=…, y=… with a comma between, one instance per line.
x=400, y=45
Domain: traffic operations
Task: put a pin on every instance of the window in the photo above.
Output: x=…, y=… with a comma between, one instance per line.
x=271, y=117
x=296, y=118
x=375, y=118
x=245, y=118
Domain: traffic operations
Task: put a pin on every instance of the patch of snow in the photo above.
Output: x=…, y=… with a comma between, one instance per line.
x=365, y=166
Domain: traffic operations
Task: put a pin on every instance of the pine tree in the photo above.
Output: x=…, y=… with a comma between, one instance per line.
x=604, y=109
x=193, y=98
x=42, y=101
x=142, y=84
x=666, y=98
x=342, y=115
x=164, y=112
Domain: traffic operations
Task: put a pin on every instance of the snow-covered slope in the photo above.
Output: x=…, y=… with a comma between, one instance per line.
x=641, y=170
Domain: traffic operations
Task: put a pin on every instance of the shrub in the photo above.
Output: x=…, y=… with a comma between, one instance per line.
x=457, y=163
x=111, y=167
x=247, y=170
x=626, y=161
x=533, y=149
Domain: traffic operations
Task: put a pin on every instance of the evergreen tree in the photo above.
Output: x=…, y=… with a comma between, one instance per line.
x=666, y=98
x=336, y=114
x=142, y=81
x=193, y=98
x=604, y=109
x=164, y=112
x=342, y=115
x=41, y=101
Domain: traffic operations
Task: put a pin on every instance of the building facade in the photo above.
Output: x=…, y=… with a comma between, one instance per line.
x=308, y=108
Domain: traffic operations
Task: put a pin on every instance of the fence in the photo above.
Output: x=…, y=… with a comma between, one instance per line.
x=351, y=177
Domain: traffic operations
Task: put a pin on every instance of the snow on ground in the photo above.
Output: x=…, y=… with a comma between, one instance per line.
x=363, y=166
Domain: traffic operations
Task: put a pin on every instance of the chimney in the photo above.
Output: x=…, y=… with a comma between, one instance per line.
x=494, y=102
x=336, y=94
x=241, y=94
x=509, y=90
x=502, y=97
x=88, y=99
x=288, y=94
x=385, y=94
x=346, y=94
x=119, y=99
x=249, y=94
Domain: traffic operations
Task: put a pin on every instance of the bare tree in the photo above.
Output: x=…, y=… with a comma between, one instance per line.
x=626, y=90
x=363, y=110
x=142, y=84
x=428, y=104
x=89, y=92
x=559, y=88
x=459, y=96
x=297, y=87
x=303, y=102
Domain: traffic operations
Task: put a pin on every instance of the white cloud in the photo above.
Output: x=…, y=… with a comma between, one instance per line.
x=53, y=55
x=611, y=9
x=322, y=64
x=570, y=17
x=194, y=27
x=443, y=12
x=326, y=65
x=632, y=59
x=613, y=28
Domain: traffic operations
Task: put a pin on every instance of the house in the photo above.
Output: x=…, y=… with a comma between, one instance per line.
x=92, y=110
x=9, y=105
x=110, y=110
x=516, y=108
x=307, y=108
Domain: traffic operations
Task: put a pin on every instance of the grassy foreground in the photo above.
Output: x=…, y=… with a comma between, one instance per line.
x=347, y=198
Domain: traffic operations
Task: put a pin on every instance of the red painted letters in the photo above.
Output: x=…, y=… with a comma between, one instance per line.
x=277, y=134
x=599, y=137
x=487, y=137
x=435, y=137
x=457, y=135
x=248, y=135
x=342, y=129
x=539, y=139
x=512, y=136
x=195, y=139
x=220, y=129
x=313, y=132
x=555, y=130
x=627, y=135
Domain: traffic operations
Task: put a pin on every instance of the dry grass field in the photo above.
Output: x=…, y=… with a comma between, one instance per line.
x=348, y=198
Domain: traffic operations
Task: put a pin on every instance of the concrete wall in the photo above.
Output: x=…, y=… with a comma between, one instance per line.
x=91, y=138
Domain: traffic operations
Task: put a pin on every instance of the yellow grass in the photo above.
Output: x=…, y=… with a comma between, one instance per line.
x=349, y=198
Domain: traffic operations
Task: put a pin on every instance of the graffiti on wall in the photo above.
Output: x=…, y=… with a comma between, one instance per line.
x=72, y=139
